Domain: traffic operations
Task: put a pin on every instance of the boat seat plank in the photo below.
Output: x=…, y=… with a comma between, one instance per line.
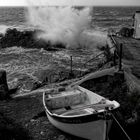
x=65, y=100
x=64, y=109
x=95, y=107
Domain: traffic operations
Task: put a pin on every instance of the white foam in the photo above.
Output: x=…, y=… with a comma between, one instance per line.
x=60, y=24
x=3, y=28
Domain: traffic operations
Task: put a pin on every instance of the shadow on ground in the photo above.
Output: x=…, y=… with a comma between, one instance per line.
x=9, y=130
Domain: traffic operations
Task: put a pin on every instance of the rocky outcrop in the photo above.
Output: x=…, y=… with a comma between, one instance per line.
x=26, y=39
x=126, y=32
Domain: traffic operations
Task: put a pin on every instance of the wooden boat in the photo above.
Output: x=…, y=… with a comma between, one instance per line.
x=79, y=112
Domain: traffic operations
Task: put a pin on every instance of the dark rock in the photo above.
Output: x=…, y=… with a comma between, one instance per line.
x=119, y=76
x=1, y=35
x=126, y=32
x=45, y=80
x=61, y=89
x=39, y=115
x=71, y=75
x=3, y=92
x=36, y=85
x=3, y=85
x=10, y=130
x=13, y=90
x=3, y=79
x=26, y=39
x=59, y=45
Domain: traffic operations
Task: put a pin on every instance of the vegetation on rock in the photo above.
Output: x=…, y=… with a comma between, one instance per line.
x=26, y=39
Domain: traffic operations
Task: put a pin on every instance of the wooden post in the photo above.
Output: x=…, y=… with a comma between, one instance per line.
x=71, y=63
x=120, y=57
x=71, y=74
x=114, y=58
x=50, y=78
x=3, y=85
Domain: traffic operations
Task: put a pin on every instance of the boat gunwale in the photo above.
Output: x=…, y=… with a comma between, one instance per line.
x=95, y=116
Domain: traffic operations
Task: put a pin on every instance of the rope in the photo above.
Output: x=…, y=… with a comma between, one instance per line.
x=121, y=127
x=105, y=114
x=107, y=138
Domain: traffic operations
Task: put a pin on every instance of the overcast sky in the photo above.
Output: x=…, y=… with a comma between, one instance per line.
x=71, y=2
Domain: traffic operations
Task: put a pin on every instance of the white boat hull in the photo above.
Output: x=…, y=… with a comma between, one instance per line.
x=88, y=121
x=95, y=130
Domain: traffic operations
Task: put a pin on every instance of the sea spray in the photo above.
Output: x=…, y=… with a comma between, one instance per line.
x=60, y=24
x=3, y=28
x=64, y=24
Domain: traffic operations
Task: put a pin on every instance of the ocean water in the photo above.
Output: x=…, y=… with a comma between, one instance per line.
x=12, y=16
x=113, y=17
x=103, y=18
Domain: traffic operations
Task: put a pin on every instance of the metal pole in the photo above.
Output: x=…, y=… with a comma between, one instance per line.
x=120, y=57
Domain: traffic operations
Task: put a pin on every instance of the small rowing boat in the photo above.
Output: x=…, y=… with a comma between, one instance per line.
x=79, y=112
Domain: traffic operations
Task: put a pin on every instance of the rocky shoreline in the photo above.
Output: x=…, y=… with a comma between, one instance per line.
x=24, y=117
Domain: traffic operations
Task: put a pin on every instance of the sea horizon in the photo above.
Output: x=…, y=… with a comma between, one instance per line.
x=103, y=17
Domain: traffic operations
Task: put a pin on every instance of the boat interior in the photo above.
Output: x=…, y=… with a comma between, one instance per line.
x=76, y=101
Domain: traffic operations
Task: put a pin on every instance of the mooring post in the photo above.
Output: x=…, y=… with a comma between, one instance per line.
x=71, y=74
x=120, y=57
x=114, y=58
x=71, y=63
x=4, y=90
x=50, y=80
